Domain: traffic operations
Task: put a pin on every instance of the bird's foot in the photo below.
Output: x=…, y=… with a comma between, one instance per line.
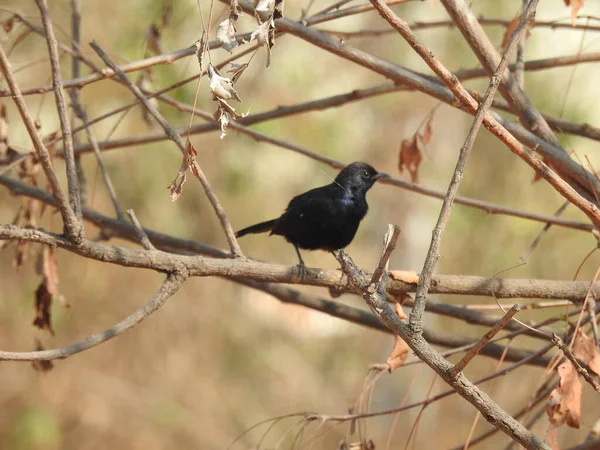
x=302, y=270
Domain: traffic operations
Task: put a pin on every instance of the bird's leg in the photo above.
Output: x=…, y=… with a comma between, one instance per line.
x=301, y=265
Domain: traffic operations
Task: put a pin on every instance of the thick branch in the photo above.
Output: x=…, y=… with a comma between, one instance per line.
x=258, y=271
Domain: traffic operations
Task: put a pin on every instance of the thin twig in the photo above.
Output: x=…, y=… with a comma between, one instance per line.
x=80, y=112
x=73, y=182
x=73, y=227
x=167, y=289
x=74, y=93
x=176, y=138
x=389, y=244
x=520, y=63
x=485, y=339
x=141, y=233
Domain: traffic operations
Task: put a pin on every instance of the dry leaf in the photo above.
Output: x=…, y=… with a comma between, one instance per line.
x=188, y=160
x=552, y=438
x=400, y=351
x=47, y=291
x=9, y=24
x=224, y=114
x=406, y=276
x=235, y=11
x=585, y=349
x=226, y=34
x=201, y=47
x=220, y=86
x=512, y=26
x=564, y=403
x=264, y=5
x=278, y=10
x=412, y=149
x=410, y=157
x=41, y=366
x=236, y=70
x=575, y=5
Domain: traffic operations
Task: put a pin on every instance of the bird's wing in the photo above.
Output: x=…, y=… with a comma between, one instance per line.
x=321, y=208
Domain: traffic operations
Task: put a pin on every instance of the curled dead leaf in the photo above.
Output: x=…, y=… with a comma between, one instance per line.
x=564, y=402
x=226, y=34
x=575, y=5
x=585, y=350
x=224, y=114
x=236, y=70
x=187, y=162
x=221, y=87
x=47, y=291
x=512, y=26
x=412, y=149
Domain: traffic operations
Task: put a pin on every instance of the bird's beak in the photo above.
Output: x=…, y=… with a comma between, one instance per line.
x=381, y=175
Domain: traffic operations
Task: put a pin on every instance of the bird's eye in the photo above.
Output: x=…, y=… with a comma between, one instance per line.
x=366, y=174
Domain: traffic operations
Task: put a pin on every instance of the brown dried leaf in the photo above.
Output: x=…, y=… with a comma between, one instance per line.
x=226, y=34
x=427, y=132
x=221, y=87
x=47, y=291
x=512, y=26
x=406, y=276
x=564, y=403
x=43, y=303
x=9, y=24
x=552, y=438
x=187, y=162
x=576, y=5
x=41, y=366
x=585, y=349
x=400, y=312
x=400, y=351
x=410, y=157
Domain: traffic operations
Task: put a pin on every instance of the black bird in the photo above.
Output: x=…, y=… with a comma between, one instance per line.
x=325, y=218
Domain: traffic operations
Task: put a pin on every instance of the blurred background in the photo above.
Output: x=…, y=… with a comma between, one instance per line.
x=219, y=358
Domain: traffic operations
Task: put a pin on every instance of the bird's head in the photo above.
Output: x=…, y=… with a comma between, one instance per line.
x=358, y=177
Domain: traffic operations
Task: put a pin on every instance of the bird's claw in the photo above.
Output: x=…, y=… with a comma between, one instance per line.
x=302, y=270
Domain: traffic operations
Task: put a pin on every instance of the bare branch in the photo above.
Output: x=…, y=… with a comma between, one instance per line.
x=141, y=233
x=73, y=183
x=485, y=339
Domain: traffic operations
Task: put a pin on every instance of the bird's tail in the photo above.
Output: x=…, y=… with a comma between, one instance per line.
x=258, y=228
